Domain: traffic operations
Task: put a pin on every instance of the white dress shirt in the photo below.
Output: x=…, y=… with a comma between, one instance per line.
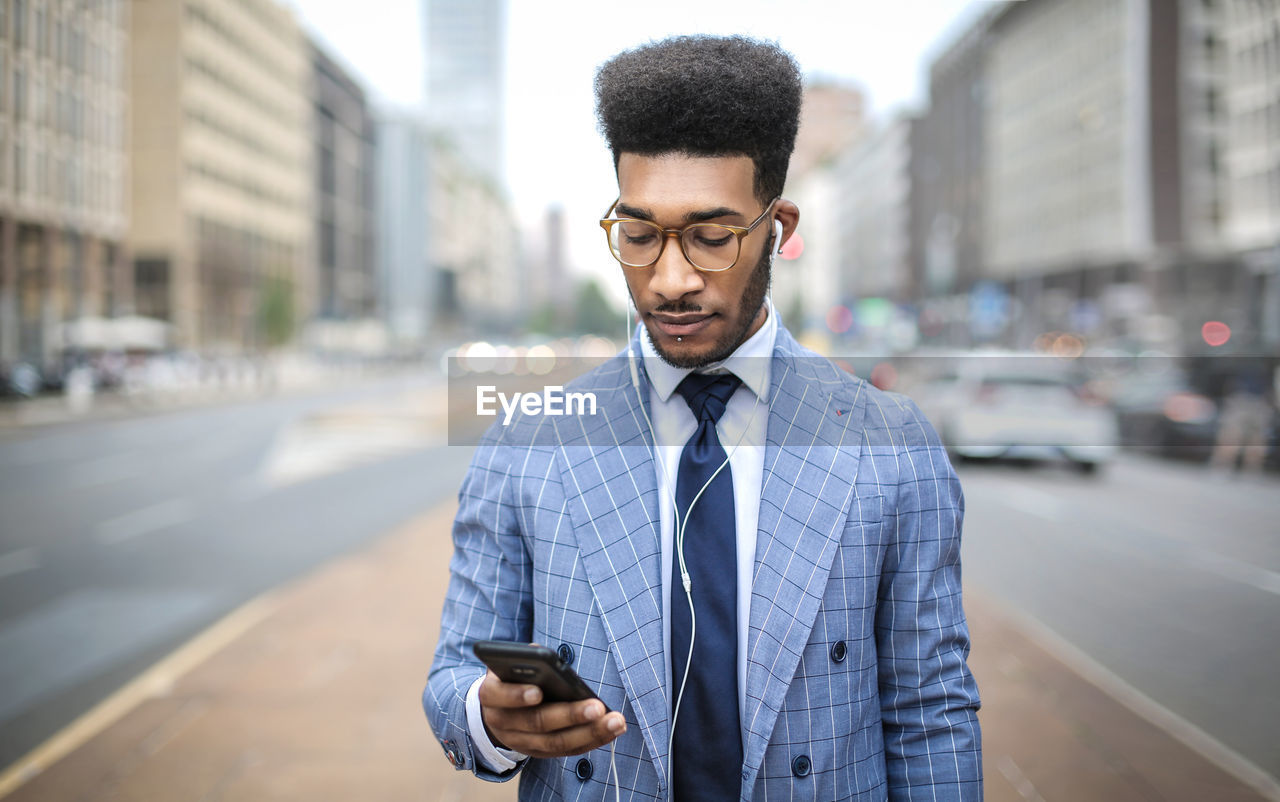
x=743, y=425
x=742, y=430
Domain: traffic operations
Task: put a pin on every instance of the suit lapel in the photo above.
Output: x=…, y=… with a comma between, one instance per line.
x=811, y=460
x=612, y=496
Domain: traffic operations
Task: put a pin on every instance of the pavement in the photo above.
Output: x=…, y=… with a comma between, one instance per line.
x=239, y=383
x=313, y=692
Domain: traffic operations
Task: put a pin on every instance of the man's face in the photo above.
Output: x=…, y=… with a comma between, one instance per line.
x=694, y=317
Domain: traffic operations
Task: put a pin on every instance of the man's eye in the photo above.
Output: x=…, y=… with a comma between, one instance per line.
x=711, y=241
x=638, y=239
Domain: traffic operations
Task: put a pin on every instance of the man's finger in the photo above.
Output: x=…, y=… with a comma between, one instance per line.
x=550, y=717
x=569, y=741
x=496, y=693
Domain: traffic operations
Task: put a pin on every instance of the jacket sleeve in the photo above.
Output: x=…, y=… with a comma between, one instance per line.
x=929, y=700
x=489, y=597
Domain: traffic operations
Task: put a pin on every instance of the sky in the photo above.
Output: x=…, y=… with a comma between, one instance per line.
x=555, y=155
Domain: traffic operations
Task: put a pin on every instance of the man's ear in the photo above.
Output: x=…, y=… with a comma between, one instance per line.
x=788, y=214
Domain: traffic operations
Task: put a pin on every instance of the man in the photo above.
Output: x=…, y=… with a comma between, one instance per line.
x=744, y=539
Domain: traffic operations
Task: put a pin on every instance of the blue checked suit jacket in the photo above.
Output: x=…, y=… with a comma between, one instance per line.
x=557, y=541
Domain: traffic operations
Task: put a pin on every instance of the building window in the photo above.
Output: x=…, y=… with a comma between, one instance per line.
x=19, y=93
x=41, y=31
x=151, y=277
x=19, y=23
x=42, y=175
x=77, y=50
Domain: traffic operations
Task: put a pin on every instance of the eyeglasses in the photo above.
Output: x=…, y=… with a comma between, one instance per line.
x=710, y=247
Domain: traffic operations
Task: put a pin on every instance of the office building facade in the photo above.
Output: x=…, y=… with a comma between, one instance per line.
x=64, y=163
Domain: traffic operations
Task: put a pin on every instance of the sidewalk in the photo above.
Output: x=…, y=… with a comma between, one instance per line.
x=312, y=693
x=289, y=377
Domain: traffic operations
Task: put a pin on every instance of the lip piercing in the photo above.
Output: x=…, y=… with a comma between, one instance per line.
x=679, y=339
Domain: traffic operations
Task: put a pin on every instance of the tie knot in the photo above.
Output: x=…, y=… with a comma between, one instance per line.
x=708, y=395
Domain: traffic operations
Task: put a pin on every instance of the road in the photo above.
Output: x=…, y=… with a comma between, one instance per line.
x=121, y=539
x=1166, y=576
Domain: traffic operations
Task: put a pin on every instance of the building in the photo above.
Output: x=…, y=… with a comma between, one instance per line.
x=64, y=171
x=1250, y=37
x=346, y=273
x=1068, y=146
x=473, y=239
x=875, y=206
x=1250, y=157
x=832, y=117
x=948, y=193
x=1129, y=167
x=465, y=89
x=221, y=155
x=408, y=288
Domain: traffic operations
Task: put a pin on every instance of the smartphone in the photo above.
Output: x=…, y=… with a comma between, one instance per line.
x=533, y=665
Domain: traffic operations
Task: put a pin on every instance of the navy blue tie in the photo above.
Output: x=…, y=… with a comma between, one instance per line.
x=707, y=749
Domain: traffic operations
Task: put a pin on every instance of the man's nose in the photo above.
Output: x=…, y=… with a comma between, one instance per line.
x=673, y=275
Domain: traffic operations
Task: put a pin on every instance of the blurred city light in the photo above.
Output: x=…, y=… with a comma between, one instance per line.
x=1215, y=333
x=839, y=319
x=794, y=247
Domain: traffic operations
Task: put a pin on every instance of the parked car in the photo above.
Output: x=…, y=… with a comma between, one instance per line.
x=1160, y=412
x=1018, y=406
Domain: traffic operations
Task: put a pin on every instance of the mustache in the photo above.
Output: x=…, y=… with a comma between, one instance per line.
x=677, y=307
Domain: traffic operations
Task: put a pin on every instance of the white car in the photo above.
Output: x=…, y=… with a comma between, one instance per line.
x=1023, y=407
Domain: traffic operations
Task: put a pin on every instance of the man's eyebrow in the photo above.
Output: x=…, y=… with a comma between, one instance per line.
x=691, y=217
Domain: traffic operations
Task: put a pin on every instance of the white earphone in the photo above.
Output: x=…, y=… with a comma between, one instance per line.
x=777, y=239
x=633, y=359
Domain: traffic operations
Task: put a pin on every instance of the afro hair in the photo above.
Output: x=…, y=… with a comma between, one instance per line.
x=704, y=96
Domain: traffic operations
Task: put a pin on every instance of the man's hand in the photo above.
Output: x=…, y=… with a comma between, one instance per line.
x=516, y=719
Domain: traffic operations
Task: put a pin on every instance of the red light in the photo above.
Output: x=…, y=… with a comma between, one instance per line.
x=839, y=319
x=792, y=248
x=1215, y=333
x=1188, y=408
x=884, y=376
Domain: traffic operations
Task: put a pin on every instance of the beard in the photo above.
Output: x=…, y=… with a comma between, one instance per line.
x=748, y=307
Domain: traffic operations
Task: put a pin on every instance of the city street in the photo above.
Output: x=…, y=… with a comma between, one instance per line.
x=122, y=539
x=1166, y=576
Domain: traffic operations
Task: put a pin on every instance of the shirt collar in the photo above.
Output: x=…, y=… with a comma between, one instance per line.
x=750, y=361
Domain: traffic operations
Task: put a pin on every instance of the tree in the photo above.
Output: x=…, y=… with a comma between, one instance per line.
x=593, y=314
x=276, y=311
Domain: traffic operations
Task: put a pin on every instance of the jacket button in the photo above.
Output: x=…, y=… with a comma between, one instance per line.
x=583, y=769
x=839, y=651
x=800, y=766
x=565, y=652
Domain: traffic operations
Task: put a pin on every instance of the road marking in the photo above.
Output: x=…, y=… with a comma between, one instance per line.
x=1235, y=570
x=156, y=681
x=342, y=438
x=19, y=561
x=148, y=519
x=1117, y=688
x=1051, y=508
x=1009, y=768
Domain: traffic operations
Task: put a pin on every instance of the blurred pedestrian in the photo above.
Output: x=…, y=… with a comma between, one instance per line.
x=1244, y=425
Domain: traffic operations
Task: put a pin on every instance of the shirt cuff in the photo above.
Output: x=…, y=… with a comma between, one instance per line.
x=496, y=760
